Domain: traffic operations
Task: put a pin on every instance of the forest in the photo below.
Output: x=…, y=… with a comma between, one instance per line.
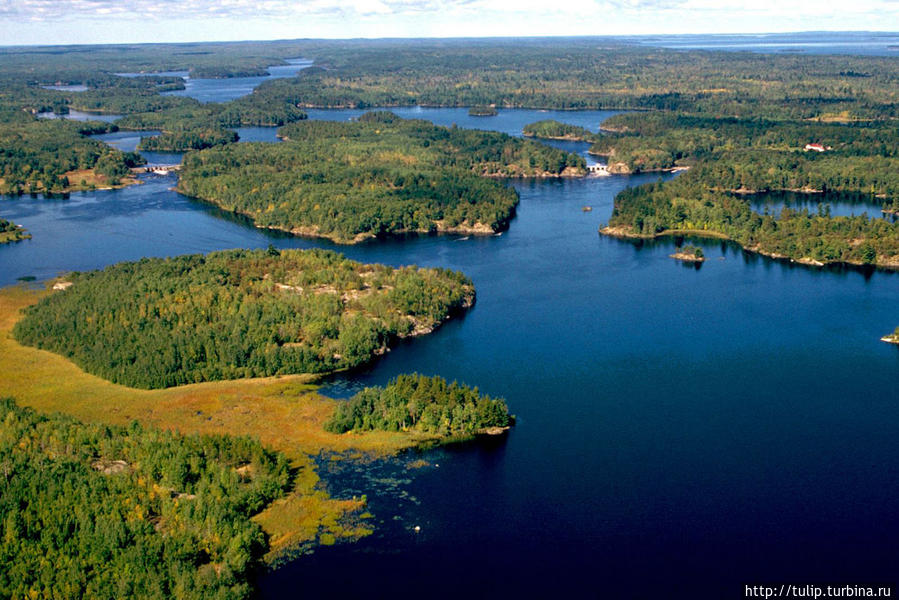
x=239, y=313
x=550, y=129
x=101, y=511
x=44, y=155
x=417, y=403
x=379, y=175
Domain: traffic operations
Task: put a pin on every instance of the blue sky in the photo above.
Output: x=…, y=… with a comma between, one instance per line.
x=109, y=21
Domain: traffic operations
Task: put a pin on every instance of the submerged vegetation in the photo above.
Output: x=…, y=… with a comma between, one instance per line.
x=420, y=404
x=241, y=313
x=379, y=175
x=105, y=511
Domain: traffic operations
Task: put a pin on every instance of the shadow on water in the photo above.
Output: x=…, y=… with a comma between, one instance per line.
x=728, y=248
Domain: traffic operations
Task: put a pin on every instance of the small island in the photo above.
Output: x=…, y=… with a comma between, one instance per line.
x=423, y=405
x=689, y=254
x=550, y=129
x=10, y=232
x=236, y=314
x=482, y=111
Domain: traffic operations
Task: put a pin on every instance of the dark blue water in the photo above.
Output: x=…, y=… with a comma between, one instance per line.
x=223, y=90
x=680, y=432
x=870, y=43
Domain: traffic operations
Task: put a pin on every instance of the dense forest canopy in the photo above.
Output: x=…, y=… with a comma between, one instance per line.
x=417, y=403
x=97, y=511
x=240, y=313
x=379, y=175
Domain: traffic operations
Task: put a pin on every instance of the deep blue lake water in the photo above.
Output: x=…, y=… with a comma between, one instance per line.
x=681, y=431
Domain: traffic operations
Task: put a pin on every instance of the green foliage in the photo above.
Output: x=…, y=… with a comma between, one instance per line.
x=421, y=404
x=554, y=130
x=380, y=175
x=188, y=139
x=36, y=153
x=482, y=111
x=96, y=511
x=687, y=203
x=164, y=322
x=10, y=232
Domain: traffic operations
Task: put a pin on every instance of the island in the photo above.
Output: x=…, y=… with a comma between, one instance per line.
x=551, y=129
x=10, y=232
x=425, y=406
x=733, y=159
x=243, y=313
x=379, y=175
x=482, y=111
x=689, y=254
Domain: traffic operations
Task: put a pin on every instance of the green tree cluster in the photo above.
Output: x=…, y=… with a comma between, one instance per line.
x=10, y=232
x=379, y=175
x=35, y=154
x=550, y=129
x=687, y=204
x=240, y=313
x=417, y=403
x=97, y=511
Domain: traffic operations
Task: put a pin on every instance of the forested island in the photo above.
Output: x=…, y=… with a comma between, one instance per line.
x=420, y=404
x=376, y=176
x=242, y=313
x=733, y=158
x=100, y=511
x=550, y=129
x=10, y=232
x=482, y=111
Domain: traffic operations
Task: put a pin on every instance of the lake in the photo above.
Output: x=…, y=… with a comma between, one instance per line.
x=223, y=90
x=680, y=430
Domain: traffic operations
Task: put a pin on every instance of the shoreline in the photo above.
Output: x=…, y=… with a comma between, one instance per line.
x=286, y=413
x=625, y=234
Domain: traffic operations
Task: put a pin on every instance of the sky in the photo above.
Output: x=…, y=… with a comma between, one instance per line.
x=131, y=21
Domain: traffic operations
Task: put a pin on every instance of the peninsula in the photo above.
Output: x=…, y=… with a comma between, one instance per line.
x=242, y=313
x=380, y=175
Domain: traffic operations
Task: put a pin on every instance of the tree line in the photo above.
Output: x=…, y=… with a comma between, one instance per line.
x=101, y=511
x=417, y=403
x=240, y=313
x=377, y=176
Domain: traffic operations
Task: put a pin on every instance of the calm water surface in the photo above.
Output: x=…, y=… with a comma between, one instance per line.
x=223, y=90
x=680, y=432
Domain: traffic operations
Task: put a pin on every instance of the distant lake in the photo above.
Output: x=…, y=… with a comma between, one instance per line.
x=77, y=115
x=66, y=88
x=225, y=89
x=864, y=43
x=839, y=205
x=681, y=431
